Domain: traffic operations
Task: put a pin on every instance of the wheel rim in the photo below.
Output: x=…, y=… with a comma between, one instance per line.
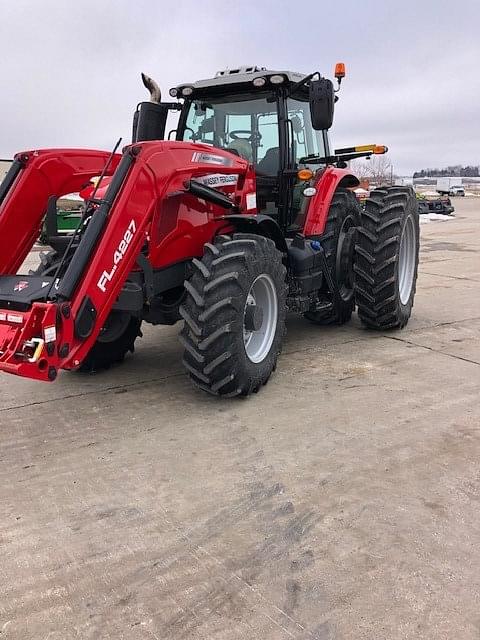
x=406, y=260
x=262, y=294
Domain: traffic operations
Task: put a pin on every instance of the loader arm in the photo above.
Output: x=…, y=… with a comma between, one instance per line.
x=36, y=176
x=39, y=336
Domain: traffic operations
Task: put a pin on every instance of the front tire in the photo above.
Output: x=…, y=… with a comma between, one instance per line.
x=117, y=336
x=234, y=315
x=386, y=261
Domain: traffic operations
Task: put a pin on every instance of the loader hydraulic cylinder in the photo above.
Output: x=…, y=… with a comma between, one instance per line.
x=5, y=186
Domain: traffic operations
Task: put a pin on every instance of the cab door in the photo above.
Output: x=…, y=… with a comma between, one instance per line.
x=303, y=142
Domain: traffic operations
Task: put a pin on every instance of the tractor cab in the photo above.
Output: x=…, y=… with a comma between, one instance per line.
x=264, y=117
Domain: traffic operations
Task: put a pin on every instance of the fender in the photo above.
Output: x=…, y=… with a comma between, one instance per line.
x=326, y=185
x=261, y=224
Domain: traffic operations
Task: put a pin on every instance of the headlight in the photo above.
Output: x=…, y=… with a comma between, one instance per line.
x=173, y=92
x=259, y=82
x=277, y=79
x=187, y=91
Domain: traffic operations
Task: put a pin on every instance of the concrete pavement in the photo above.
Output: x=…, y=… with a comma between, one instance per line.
x=341, y=502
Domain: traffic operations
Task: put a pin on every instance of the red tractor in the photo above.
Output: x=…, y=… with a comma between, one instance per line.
x=245, y=215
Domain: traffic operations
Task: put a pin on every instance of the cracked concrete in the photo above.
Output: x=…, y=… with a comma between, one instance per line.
x=340, y=502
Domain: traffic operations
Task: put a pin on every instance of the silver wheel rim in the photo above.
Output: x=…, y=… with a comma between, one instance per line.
x=406, y=260
x=263, y=294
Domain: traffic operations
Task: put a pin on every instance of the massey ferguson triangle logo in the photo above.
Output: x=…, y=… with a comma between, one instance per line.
x=20, y=286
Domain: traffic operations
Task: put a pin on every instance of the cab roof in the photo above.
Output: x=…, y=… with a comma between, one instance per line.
x=238, y=79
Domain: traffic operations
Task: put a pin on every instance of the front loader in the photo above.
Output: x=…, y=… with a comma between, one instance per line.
x=245, y=215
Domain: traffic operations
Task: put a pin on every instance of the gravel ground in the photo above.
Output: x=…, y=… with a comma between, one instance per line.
x=341, y=502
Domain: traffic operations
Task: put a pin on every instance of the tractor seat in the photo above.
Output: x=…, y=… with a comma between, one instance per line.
x=267, y=182
x=270, y=163
x=242, y=147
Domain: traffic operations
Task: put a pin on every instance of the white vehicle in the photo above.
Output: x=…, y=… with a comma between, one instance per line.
x=456, y=190
x=450, y=186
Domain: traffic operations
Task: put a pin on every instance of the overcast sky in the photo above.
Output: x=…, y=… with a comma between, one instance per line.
x=70, y=71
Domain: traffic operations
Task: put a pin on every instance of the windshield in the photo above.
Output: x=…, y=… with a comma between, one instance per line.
x=248, y=128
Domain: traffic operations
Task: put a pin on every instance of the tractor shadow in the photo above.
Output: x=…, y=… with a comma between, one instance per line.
x=303, y=335
x=158, y=360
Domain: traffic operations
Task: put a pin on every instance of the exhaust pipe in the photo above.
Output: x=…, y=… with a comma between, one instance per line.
x=150, y=118
x=152, y=86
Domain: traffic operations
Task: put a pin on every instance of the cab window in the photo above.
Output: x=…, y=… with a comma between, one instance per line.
x=305, y=140
x=196, y=128
x=248, y=128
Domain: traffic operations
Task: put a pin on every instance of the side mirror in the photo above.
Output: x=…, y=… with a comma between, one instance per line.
x=297, y=124
x=322, y=98
x=208, y=125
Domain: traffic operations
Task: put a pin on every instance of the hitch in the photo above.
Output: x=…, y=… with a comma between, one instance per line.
x=34, y=344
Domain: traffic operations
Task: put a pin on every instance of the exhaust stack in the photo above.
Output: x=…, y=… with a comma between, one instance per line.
x=152, y=86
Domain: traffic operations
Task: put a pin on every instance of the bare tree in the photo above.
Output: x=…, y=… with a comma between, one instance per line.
x=377, y=170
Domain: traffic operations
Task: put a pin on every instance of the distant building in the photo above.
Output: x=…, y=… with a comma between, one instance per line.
x=4, y=167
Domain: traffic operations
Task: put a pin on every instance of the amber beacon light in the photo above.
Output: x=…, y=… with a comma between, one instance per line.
x=340, y=71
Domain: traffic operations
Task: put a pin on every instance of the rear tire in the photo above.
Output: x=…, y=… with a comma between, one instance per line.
x=386, y=261
x=234, y=315
x=338, y=243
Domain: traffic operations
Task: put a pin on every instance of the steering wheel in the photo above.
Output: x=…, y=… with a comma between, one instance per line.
x=235, y=134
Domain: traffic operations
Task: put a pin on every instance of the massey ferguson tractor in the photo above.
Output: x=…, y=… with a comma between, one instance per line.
x=242, y=213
